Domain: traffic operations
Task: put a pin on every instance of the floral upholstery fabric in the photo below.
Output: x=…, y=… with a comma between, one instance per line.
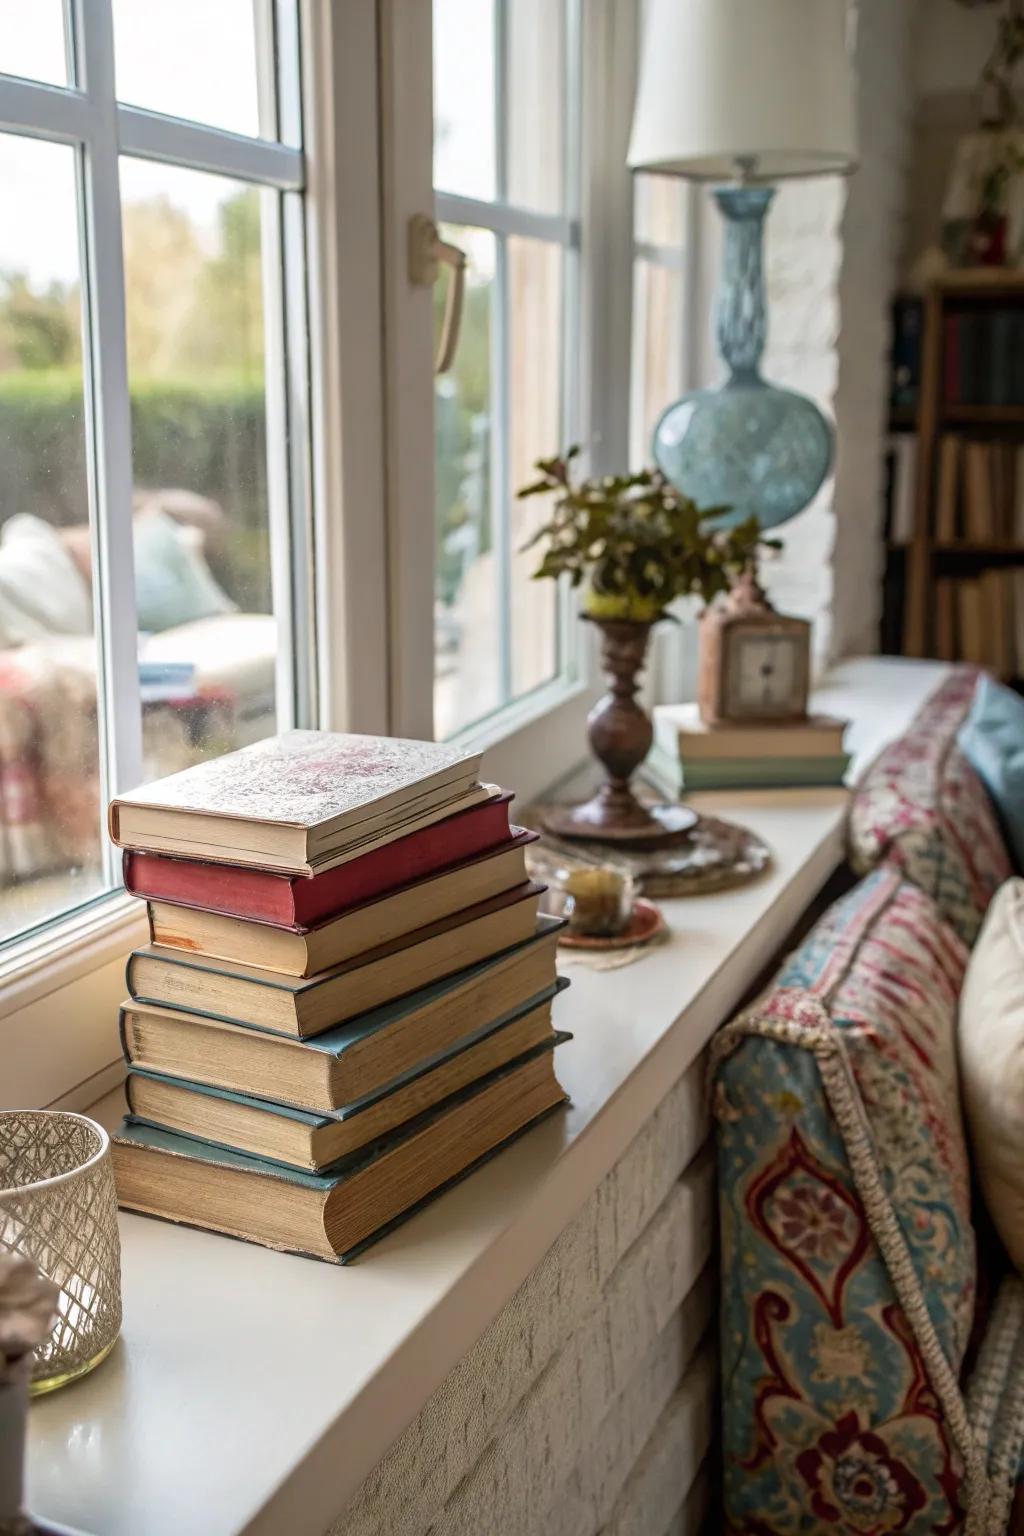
x=922, y=807
x=848, y=1255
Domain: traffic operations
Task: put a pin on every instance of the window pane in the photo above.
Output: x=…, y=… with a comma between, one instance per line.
x=464, y=96
x=660, y=210
x=32, y=40
x=467, y=670
x=657, y=351
x=535, y=425
x=49, y=754
x=207, y=60
x=536, y=104
x=194, y=302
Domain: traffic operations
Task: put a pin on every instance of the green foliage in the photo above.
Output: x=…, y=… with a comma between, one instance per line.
x=637, y=542
x=202, y=434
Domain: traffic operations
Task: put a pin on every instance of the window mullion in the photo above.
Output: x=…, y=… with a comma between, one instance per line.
x=500, y=489
x=108, y=407
x=44, y=111
x=154, y=136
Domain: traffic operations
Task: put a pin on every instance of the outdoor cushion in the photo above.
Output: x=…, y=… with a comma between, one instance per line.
x=848, y=1254
x=922, y=807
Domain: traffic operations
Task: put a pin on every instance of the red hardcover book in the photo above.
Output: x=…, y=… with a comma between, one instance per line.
x=291, y=901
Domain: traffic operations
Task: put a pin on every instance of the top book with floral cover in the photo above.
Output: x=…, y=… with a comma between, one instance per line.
x=300, y=802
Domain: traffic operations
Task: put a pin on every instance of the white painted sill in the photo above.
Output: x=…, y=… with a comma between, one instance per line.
x=252, y=1392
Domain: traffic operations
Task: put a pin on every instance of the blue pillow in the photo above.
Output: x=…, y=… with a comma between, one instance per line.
x=173, y=583
x=992, y=740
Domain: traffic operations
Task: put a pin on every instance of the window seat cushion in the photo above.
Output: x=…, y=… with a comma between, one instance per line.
x=922, y=807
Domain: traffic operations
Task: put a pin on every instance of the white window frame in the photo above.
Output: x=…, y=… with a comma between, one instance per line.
x=537, y=738
x=367, y=82
x=61, y=982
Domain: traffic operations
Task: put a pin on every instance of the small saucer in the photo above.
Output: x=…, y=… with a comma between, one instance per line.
x=645, y=924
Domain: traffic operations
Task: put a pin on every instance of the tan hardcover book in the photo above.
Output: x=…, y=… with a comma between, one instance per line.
x=303, y=1006
x=1017, y=580
x=301, y=952
x=1017, y=530
x=301, y=802
x=979, y=509
x=680, y=730
x=332, y=1215
x=361, y=1057
x=945, y=619
x=997, y=621
x=970, y=612
x=947, y=497
x=311, y=1139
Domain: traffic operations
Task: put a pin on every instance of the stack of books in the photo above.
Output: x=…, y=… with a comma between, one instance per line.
x=347, y=1001
x=979, y=497
x=980, y=619
x=984, y=357
x=801, y=755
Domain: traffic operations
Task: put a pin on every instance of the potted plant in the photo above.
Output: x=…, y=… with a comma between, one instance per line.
x=634, y=544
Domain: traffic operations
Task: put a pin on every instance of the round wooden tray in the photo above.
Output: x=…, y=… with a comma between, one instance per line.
x=645, y=924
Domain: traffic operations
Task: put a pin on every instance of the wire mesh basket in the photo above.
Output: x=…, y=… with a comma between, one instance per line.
x=58, y=1208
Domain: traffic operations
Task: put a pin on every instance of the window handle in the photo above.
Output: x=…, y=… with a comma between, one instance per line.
x=427, y=254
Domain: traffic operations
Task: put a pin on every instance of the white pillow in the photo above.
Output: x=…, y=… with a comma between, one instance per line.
x=41, y=588
x=991, y=1045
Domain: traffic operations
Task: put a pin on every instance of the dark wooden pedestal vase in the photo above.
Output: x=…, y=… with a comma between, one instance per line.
x=620, y=736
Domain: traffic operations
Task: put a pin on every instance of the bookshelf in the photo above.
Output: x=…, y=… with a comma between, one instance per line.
x=964, y=306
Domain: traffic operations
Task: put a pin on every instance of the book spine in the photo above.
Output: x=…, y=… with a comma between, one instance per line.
x=123, y=1034
x=1001, y=365
x=951, y=360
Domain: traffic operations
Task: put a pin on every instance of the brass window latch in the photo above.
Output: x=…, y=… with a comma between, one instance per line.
x=427, y=254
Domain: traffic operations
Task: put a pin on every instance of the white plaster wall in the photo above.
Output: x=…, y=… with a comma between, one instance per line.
x=872, y=234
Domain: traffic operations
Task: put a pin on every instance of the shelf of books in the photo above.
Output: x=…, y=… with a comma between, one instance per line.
x=347, y=1001
x=954, y=525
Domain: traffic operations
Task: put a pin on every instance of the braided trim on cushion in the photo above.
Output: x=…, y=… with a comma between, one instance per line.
x=820, y=1036
x=995, y=1399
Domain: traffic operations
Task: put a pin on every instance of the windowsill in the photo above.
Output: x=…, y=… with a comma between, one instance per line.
x=252, y=1392
x=61, y=952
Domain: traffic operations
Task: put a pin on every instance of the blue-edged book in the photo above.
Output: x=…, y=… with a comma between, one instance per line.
x=306, y=1006
x=315, y=1139
x=335, y=1215
x=372, y=1053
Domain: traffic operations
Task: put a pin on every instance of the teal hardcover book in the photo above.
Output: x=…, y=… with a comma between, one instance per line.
x=314, y=1139
x=765, y=772
x=367, y=1055
x=335, y=1215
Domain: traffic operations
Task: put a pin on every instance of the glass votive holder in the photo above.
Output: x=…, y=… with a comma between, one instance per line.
x=597, y=901
x=58, y=1208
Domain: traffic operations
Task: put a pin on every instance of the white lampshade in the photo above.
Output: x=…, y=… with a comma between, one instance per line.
x=724, y=80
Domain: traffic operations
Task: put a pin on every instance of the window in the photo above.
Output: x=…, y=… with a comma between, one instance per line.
x=661, y=222
x=506, y=114
x=663, y=368
x=154, y=567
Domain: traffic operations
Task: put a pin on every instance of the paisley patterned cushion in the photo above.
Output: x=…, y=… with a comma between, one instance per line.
x=923, y=807
x=848, y=1254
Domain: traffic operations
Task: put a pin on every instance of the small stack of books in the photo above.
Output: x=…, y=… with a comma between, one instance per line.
x=802, y=755
x=346, y=1004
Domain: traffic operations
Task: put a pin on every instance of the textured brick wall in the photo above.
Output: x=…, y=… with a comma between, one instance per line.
x=589, y=1399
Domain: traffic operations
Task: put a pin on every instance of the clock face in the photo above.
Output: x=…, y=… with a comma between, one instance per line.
x=765, y=675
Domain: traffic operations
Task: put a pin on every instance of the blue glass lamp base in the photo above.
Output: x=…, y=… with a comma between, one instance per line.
x=748, y=445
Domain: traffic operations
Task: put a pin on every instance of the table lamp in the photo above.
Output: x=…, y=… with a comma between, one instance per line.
x=744, y=93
